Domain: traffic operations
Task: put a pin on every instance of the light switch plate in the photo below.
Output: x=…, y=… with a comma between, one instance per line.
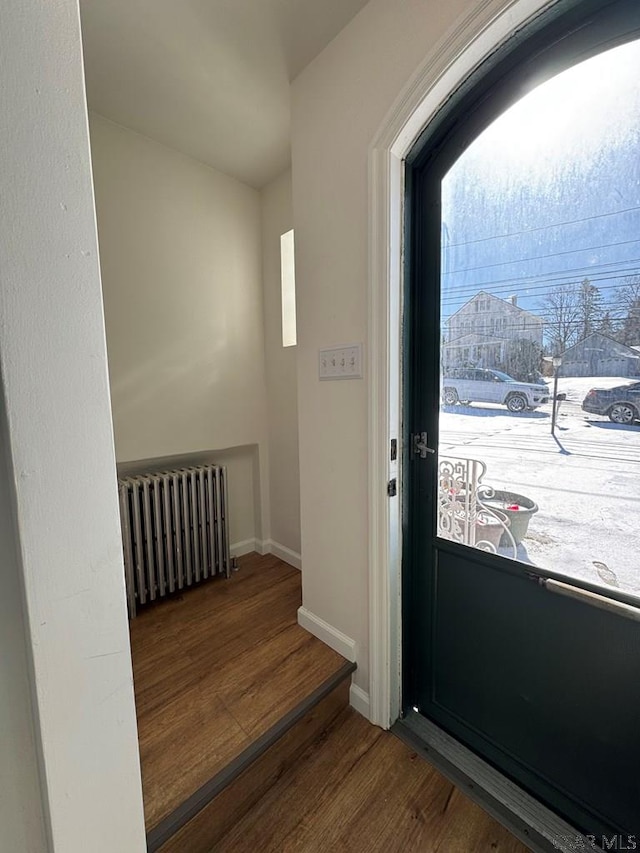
x=341, y=362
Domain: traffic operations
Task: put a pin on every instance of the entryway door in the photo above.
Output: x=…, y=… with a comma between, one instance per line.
x=521, y=565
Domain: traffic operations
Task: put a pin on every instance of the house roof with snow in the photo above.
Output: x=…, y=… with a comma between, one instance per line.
x=598, y=341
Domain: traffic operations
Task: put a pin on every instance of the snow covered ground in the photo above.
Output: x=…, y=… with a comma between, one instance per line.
x=585, y=480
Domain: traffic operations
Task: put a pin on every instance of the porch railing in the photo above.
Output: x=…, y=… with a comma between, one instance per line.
x=463, y=515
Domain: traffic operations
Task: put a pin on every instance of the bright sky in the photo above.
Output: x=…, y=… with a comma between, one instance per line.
x=573, y=113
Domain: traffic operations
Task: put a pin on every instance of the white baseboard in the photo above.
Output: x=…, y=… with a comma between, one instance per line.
x=266, y=546
x=248, y=546
x=239, y=549
x=329, y=635
x=285, y=554
x=261, y=546
x=359, y=700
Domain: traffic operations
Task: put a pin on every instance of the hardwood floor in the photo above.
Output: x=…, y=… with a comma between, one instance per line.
x=214, y=669
x=361, y=790
x=204, y=832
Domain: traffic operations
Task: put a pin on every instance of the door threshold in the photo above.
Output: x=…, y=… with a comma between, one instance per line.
x=524, y=816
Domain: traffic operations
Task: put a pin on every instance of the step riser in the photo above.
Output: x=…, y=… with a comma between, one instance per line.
x=206, y=829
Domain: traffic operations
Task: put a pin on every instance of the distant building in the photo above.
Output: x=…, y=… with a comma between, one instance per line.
x=479, y=332
x=599, y=355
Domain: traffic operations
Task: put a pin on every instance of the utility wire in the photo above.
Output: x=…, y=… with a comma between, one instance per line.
x=541, y=291
x=543, y=227
x=540, y=257
x=544, y=280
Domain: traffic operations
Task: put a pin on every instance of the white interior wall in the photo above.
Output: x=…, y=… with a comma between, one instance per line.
x=180, y=252
x=54, y=378
x=61, y=462
x=21, y=816
x=244, y=479
x=338, y=103
x=281, y=368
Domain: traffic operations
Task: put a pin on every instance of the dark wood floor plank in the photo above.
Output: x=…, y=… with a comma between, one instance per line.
x=360, y=791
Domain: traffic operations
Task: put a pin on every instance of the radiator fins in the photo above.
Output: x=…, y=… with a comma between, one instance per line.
x=175, y=531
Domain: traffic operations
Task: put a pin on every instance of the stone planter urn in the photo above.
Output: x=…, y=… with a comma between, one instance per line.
x=490, y=531
x=518, y=509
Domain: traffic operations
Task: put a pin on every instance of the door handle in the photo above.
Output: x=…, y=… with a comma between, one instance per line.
x=419, y=445
x=628, y=611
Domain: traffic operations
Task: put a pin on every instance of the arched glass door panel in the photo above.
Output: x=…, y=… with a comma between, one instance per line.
x=540, y=300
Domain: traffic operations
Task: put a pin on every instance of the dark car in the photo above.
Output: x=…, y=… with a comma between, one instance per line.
x=621, y=404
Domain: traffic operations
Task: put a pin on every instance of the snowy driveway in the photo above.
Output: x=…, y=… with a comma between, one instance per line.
x=586, y=481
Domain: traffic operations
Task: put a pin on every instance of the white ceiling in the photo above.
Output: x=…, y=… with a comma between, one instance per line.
x=208, y=77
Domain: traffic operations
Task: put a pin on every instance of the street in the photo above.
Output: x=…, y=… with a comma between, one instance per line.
x=585, y=480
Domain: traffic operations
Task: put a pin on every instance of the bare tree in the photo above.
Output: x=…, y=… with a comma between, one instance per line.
x=561, y=309
x=629, y=293
x=572, y=312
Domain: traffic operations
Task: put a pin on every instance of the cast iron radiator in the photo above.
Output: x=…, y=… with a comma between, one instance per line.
x=175, y=531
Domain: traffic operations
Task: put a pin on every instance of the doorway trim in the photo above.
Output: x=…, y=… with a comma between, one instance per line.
x=449, y=63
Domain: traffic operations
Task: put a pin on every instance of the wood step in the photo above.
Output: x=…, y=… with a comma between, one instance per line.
x=361, y=790
x=199, y=824
x=221, y=671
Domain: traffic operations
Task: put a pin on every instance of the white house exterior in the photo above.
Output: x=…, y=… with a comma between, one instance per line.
x=479, y=332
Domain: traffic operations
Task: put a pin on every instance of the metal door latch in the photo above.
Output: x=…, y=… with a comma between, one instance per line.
x=392, y=488
x=419, y=446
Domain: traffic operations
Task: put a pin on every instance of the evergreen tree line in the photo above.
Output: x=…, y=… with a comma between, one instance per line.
x=574, y=311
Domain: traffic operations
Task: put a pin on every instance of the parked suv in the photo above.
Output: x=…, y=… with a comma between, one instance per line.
x=477, y=385
x=621, y=404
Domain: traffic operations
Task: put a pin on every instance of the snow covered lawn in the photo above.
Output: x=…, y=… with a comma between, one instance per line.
x=586, y=480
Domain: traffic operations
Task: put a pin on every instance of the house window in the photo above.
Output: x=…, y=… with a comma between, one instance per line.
x=288, y=291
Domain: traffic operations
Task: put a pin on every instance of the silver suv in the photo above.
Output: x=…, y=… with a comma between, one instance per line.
x=477, y=385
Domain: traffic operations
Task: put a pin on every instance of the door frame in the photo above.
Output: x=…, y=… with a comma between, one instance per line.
x=452, y=60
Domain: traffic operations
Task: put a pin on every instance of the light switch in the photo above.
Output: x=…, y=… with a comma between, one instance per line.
x=341, y=362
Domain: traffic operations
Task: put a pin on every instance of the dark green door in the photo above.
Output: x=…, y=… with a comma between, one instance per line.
x=522, y=543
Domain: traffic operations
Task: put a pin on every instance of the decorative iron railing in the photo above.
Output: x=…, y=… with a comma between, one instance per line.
x=463, y=515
